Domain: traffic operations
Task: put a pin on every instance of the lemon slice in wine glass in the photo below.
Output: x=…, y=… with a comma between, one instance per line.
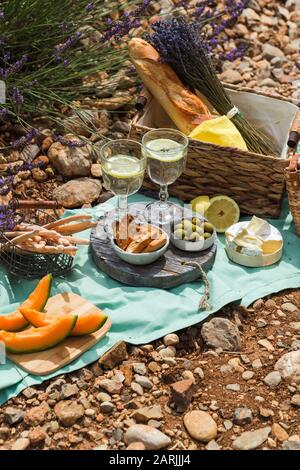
x=222, y=213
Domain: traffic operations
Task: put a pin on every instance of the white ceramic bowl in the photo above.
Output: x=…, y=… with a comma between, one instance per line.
x=186, y=245
x=141, y=259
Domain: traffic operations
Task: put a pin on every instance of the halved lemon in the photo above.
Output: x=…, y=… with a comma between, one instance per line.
x=200, y=204
x=222, y=213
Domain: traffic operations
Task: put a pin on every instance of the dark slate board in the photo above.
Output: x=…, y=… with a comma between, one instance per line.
x=165, y=273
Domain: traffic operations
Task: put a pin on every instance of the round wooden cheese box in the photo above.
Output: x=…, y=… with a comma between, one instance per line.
x=254, y=261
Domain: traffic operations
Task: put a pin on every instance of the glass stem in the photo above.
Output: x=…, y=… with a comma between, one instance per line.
x=123, y=206
x=163, y=195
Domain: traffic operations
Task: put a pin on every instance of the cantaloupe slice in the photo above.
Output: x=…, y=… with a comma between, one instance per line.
x=38, y=298
x=38, y=339
x=87, y=323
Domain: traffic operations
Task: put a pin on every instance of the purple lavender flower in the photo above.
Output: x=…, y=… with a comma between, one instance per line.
x=70, y=143
x=3, y=111
x=14, y=68
x=17, y=96
x=2, y=14
x=90, y=6
x=68, y=44
x=25, y=139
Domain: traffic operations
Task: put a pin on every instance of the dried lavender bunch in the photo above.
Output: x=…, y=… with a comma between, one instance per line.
x=188, y=51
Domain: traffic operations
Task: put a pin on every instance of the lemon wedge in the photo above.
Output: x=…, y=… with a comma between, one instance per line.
x=200, y=204
x=222, y=213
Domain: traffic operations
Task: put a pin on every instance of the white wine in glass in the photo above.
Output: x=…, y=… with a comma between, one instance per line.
x=123, y=167
x=166, y=152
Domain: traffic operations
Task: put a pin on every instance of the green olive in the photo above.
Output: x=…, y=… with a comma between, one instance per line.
x=195, y=237
x=178, y=226
x=194, y=227
x=179, y=234
x=187, y=224
x=200, y=229
x=208, y=227
x=207, y=235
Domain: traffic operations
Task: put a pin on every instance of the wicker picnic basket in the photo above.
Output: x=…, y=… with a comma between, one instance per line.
x=292, y=175
x=255, y=181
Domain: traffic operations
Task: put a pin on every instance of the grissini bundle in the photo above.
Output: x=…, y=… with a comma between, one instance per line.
x=184, y=108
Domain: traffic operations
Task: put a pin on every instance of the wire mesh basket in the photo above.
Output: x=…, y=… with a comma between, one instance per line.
x=20, y=262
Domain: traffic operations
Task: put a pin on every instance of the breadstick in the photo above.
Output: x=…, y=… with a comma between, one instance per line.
x=24, y=237
x=13, y=234
x=51, y=250
x=70, y=229
x=65, y=221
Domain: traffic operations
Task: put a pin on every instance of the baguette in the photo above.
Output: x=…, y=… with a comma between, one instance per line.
x=184, y=108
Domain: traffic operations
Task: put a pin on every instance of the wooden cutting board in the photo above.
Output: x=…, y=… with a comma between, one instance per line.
x=46, y=362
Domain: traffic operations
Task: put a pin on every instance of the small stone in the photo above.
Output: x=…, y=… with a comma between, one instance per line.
x=228, y=424
x=200, y=425
x=115, y=356
x=251, y=439
x=169, y=351
x=279, y=432
x=233, y=387
x=143, y=381
x=139, y=368
x=295, y=325
x=96, y=170
x=13, y=416
x=68, y=412
x=212, y=445
x=221, y=333
x=143, y=415
x=248, y=375
x=68, y=390
x=295, y=400
x=266, y=344
x=256, y=364
x=111, y=386
x=71, y=162
x=136, y=446
x=154, y=366
x=231, y=76
x=137, y=388
x=269, y=51
x=290, y=445
x=171, y=340
x=289, y=307
x=39, y=175
x=37, y=415
x=266, y=413
x=152, y=438
x=236, y=364
x=273, y=379
x=29, y=392
x=242, y=416
x=21, y=444
x=102, y=396
x=4, y=433
x=198, y=371
x=289, y=366
x=107, y=407
x=76, y=193
x=37, y=435
x=127, y=371
x=182, y=393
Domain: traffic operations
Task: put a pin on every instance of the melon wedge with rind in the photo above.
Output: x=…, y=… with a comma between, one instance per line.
x=37, y=299
x=38, y=339
x=86, y=324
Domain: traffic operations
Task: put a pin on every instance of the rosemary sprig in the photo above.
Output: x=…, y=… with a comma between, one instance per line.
x=186, y=49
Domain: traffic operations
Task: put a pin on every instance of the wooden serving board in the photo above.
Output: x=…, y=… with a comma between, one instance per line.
x=165, y=273
x=46, y=362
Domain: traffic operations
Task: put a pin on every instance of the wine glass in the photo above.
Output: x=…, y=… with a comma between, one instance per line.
x=123, y=168
x=166, y=152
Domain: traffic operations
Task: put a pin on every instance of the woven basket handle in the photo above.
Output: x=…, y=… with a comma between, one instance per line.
x=293, y=162
x=294, y=136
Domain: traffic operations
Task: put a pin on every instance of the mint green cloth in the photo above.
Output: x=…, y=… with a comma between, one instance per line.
x=141, y=315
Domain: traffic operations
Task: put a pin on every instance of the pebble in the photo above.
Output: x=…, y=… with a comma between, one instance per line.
x=139, y=368
x=107, y=407
x=171, y=340
x=289, y=366
x=257, y=364
x=111, y=386
x=102, y=396
x=188, y=375
x=154, y=366
x=200, y=425
x=228, y=424
x=68, y=390
x=182, y=393
x=147, y=413
x=289, y=307
x=242, y=416
x=279, y=432
x=221, y=333
x=290, y=445
x=273, y=379
x=29, y=392
x=68, y=412
x=37, y=415
x=143, y=381
x=233, y=387
x=37, y=435
x=266, y=344
x=169, y=351
x=252, y=439
x=248, y=375
x=212, y=445
x=295, y=400
x=152, y=438
x=13, y=416
x=21, y=444
x=137, y=388
x=198, y=371
x=115, y=356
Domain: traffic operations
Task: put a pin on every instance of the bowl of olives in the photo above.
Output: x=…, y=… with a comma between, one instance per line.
x=193, y=234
